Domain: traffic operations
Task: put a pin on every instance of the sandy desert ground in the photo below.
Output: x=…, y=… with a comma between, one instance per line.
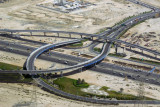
x=15, y=94
x=154, y=2
x=104, y=14
x=146, y=34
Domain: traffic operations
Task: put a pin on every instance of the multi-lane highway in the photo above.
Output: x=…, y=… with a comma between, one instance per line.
x=144, y=4
x=118, y=70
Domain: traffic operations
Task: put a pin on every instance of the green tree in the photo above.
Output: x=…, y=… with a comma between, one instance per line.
x=78, y=81
x=82, y=82
x=121, y=90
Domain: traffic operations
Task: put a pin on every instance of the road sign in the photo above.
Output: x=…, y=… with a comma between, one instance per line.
x=152, y=70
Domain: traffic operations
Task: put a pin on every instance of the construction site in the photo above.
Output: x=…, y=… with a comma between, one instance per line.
x=64, y=6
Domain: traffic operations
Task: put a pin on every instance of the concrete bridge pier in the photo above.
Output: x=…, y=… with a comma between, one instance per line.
x=58, y=34
x=124, y=49
x=44, y=33
x=31, y=33
x=61, y=73
x=81, y=36
x=94, y=64
x=116, y=48
x=70, y=35
x=80, y=69
x=142, y=51
x=156, y=55
x=92, y=37
x=108, y=41
x=130, y=48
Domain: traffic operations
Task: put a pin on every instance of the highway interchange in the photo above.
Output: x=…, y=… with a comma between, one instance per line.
x=83, y=63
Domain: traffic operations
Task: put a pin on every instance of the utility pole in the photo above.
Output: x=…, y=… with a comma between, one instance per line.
x=141, y=94
x=82, y=1
x=34, y=95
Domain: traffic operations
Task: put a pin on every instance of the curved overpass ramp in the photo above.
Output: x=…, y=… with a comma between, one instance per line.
x=37, y=52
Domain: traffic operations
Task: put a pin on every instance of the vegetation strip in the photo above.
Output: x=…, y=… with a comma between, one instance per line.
x=78, y=44
x=146, y=61
x=12, y=77
x=120, y=96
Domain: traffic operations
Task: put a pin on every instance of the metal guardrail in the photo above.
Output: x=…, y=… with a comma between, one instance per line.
x=47, y=31
x=91, y=100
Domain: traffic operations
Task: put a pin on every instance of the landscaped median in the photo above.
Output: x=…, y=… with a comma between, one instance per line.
x=76, y=87
x=110, y=54
x=76, y=45
x=131, y=58
x=120, y=23
x=12, y=77
x=5, y=66
x=121, y=96
x=70, y=86
x=146, y=61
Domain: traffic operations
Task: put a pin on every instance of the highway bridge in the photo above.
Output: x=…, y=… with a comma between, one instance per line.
x=102, y=37
x=72, y=60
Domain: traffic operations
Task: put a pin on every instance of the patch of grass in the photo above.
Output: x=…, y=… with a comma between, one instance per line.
x=112, y=45
x=125, y=19
x=146, y=61
x=83, y=85
x=111, y=54
x=46, y=81
x=121, y=96
x=97, y=49
x=5, y=66
x=78, y=44
x=123, y=32
x=67, y=85
x=12, y=77
x=120, y=22
x=116, y=55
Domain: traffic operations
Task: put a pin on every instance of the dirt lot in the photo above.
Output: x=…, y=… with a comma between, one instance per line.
x=146, y=34
x=18, y=14
x=15, y=94
x=154, y=2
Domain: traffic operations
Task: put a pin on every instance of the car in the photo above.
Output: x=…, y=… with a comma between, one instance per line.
x=138, y=76
x=133, y=78
x=121, y=74
x=123, y=69
x=146, y=79
x=136, y=70
x=65, y=62
x=148, y=74
x=129, y=76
